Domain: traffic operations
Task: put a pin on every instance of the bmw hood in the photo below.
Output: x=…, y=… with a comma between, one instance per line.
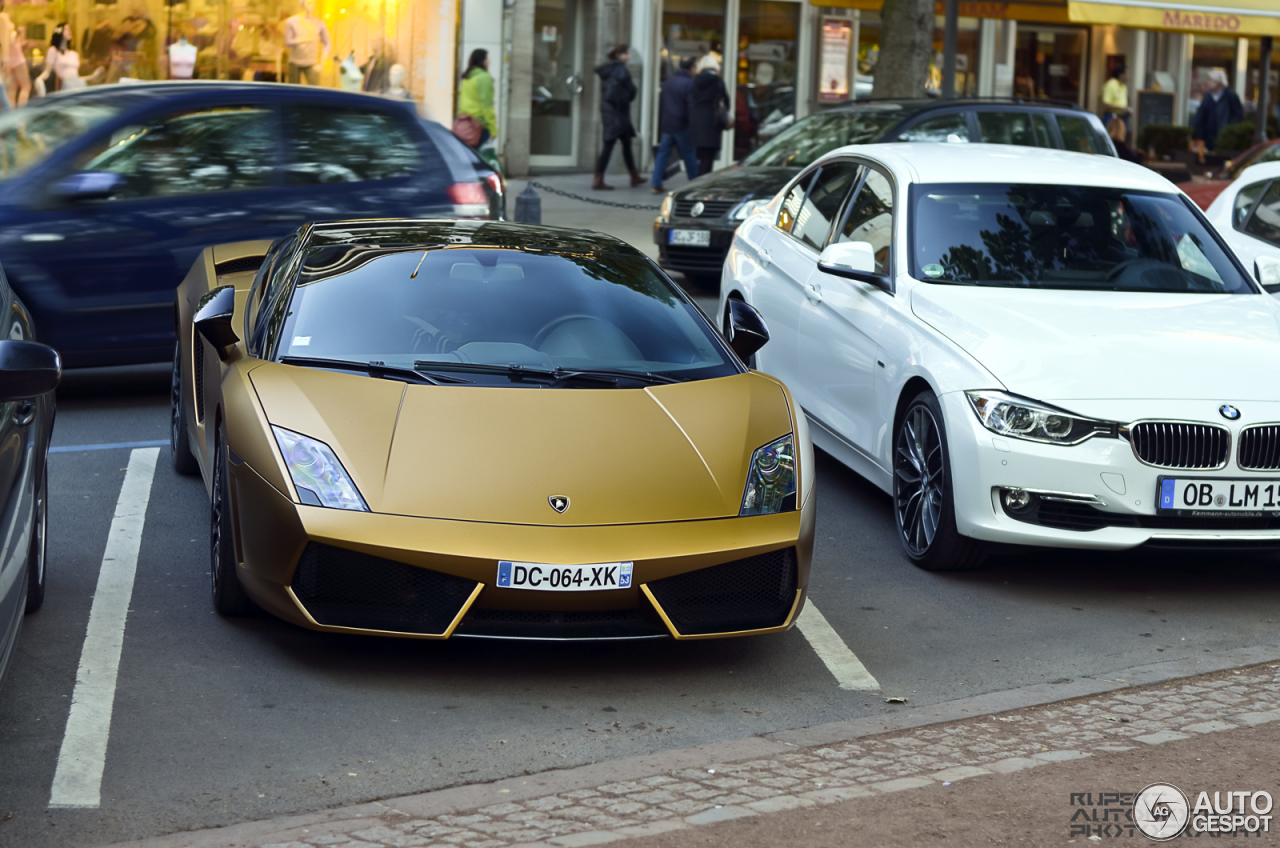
x=1059, y=346
x=619, y=456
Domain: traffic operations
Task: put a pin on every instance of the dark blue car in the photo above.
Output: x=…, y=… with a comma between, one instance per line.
x=108, y=195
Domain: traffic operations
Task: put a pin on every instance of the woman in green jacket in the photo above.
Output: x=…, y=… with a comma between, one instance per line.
x=475, y=95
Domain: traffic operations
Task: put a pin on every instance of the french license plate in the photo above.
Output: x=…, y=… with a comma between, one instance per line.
x=690, y=238
x=544, y=577
x=1198, y=495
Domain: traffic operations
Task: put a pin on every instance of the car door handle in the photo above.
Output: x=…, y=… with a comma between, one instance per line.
x=766, y=258
x=813, y=291
x=24, y=413
x=42, y=237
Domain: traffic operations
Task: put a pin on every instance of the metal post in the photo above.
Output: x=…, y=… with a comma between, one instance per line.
x=949, y=50
x=1264, y=89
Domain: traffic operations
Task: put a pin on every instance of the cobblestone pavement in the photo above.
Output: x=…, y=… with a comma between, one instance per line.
x=892, y=762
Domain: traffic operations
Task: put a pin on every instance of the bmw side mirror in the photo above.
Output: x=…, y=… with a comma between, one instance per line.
x=27, y=370
x=1267, y=270
x=87, y=185
x=853, y=260
x=747, y=330
x=213, y=320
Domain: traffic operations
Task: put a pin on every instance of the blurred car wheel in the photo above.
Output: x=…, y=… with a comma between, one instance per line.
x=184, y=461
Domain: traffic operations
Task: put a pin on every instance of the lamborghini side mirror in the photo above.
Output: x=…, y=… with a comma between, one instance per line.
x=747, y=332
x=213, y=319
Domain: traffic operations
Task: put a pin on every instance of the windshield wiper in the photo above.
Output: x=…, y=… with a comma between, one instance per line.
x=556, y=376
x=375, y=369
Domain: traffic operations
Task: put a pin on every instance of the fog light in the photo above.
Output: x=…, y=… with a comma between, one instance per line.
x=1017, y=498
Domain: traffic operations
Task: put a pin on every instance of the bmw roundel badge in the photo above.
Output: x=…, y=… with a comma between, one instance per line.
x=1229, y=412
x=559, y=503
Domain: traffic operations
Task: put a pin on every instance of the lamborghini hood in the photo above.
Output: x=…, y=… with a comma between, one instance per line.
x=665, y=453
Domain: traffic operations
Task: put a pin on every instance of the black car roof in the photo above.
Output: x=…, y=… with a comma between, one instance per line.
x=158, y=92
x=410, y=232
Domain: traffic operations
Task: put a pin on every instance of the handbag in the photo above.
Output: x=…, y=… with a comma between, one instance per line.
x=468, y=130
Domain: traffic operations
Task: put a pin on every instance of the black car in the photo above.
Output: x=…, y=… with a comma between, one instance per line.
x=696, y=224
x=107, y=195
x=29, y=373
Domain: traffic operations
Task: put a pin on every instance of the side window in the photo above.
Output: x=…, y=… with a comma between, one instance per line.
x=221, y=149
x=822, y=204
x=1077, y=135
x=275, y=297
x=870, y=218
x=259, y=293
x=1007, y=128
x=330, y=145
x=941, y=128
x=1244, y=203
x=1044, y=134
x=1265, y=223
x=795, y=199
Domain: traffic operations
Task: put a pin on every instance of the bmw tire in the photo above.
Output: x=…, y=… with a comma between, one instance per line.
x=923, y=499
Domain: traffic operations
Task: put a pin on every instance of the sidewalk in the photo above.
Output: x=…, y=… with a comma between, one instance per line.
x=1049, y=772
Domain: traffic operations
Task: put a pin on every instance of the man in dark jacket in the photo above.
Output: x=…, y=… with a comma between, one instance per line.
x=675, y=103
x=1219, y=107
x=616, y=93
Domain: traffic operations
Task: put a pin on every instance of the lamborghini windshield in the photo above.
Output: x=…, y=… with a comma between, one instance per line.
x=491, y=316
x=1066, y=237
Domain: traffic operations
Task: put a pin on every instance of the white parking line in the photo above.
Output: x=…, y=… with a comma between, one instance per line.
x=847, y=669
x=77, y=782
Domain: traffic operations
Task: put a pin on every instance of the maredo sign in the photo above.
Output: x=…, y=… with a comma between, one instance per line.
x=1201, y=22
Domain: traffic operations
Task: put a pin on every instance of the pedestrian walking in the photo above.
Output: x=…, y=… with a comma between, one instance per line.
x=616, y=93
x=710, y=116
x=475, y=101
x=1218, y=108
x=675, y=104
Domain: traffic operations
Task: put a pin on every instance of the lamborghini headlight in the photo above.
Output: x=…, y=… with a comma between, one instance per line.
x=771, y=481
x=1020, y=418
x=317, y=474
x=744, y=209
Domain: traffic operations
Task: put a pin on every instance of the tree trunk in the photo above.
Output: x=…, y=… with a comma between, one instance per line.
x=906, y=46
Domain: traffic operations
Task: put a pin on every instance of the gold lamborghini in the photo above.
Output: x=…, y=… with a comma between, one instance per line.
x=444, y=428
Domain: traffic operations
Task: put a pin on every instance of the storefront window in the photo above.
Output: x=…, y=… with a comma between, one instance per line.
x=691, y=29
x=967, y=35
x=555, y=84
x=868, y=53
x=1050, y=62
x=766, y=91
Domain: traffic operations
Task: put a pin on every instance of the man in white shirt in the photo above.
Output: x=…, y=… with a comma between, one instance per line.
x=307, y=38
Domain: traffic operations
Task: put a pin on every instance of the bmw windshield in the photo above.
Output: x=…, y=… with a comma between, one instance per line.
x=491, y=316
x=811, y=138
x=1065, y=237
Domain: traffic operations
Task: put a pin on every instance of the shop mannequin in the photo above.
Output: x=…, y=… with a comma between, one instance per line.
x=395, y=80
x=307, y=38
x=182, y=59
x=8, y=43
x=66, y=65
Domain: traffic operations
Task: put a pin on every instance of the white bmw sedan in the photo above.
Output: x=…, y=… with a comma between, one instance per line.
x=1247, y=214
x=1021, y=346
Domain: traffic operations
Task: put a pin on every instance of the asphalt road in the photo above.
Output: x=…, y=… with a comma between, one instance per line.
x=220, y=720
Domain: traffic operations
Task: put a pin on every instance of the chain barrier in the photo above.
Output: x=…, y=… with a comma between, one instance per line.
x=642, y=206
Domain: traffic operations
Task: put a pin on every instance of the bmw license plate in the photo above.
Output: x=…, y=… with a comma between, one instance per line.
x=1199, y=496
x=544, y=577
x=690, y=238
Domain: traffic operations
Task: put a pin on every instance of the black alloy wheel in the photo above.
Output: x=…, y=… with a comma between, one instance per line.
x=36, y=554
x=922, y=494
x=184, y=461
x=229, y=597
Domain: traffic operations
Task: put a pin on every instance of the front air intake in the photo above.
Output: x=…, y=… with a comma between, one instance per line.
x=746, y=594
x=343, y=588
x=1179, y=444
x=1259, y=448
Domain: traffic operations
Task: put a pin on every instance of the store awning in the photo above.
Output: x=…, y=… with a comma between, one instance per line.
x=1232, y=18
x=1049, y=12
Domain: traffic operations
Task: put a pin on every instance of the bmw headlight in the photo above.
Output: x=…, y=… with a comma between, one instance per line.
x=668, y=204
x=771, y=481
x=1020, y=418
x=744, y=209
x=317, y=474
